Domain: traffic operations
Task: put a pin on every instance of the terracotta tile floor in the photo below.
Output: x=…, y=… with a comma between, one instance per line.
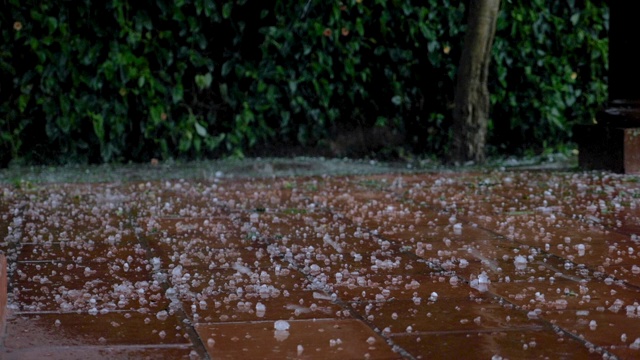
x=491, y=265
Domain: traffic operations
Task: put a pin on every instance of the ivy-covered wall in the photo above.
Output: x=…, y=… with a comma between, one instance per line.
x=120, y=80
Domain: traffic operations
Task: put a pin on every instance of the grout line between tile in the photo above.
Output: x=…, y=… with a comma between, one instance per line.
x=498, y=297
x=181, y=315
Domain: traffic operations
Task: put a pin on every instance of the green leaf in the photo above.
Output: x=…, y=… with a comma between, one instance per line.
x=177, y=93
x=381, y=121
x=208, y=78
x=23, y=100
x=226, y=10
x=359, y=27
x=35, y=15
x=293, y=86
x=52, y=23
x=226, y=68
x=575, y=18
x=224, y=93
x=262, y=86
x=98, y=125
x=156, y=114
x=397, y=100
x=286, y=116
x=200, y=129
x=185, y=142
x=204, y=81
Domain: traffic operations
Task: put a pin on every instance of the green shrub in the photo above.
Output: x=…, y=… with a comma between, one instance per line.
x=549, y=71
x=129, y=81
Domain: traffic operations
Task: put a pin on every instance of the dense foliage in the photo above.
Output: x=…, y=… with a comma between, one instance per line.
x=550, y=70
x=121, y=80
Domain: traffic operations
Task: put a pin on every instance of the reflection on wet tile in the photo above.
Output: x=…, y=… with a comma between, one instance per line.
x=114, y=328
x=305, y=339
x=531, y=344
x=286, y=305
x=66, y=287
x=444, y=315
x=610, y=328
x=101, y=352
x=415, y=287
x=565, y=293
x=84, y=252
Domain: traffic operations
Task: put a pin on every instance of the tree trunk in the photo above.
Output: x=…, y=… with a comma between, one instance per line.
x=471, y=108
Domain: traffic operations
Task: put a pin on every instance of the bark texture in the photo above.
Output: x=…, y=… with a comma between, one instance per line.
x=471, y=108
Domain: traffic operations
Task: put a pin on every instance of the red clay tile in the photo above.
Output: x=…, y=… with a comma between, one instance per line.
x=531, y=344
x=443, y=316
x=287, y=305
x=307, y=339
x=355, y=252
x=68, y=287
x=72, y=329
x=102, y=352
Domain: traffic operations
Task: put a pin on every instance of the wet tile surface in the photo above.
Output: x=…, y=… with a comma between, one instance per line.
x=436, y=265
x=307, y=339
x=116, y=328
x=535, y=344
x=101, y=352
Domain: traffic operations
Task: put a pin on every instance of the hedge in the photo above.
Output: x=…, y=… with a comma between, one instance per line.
x=123, y=81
